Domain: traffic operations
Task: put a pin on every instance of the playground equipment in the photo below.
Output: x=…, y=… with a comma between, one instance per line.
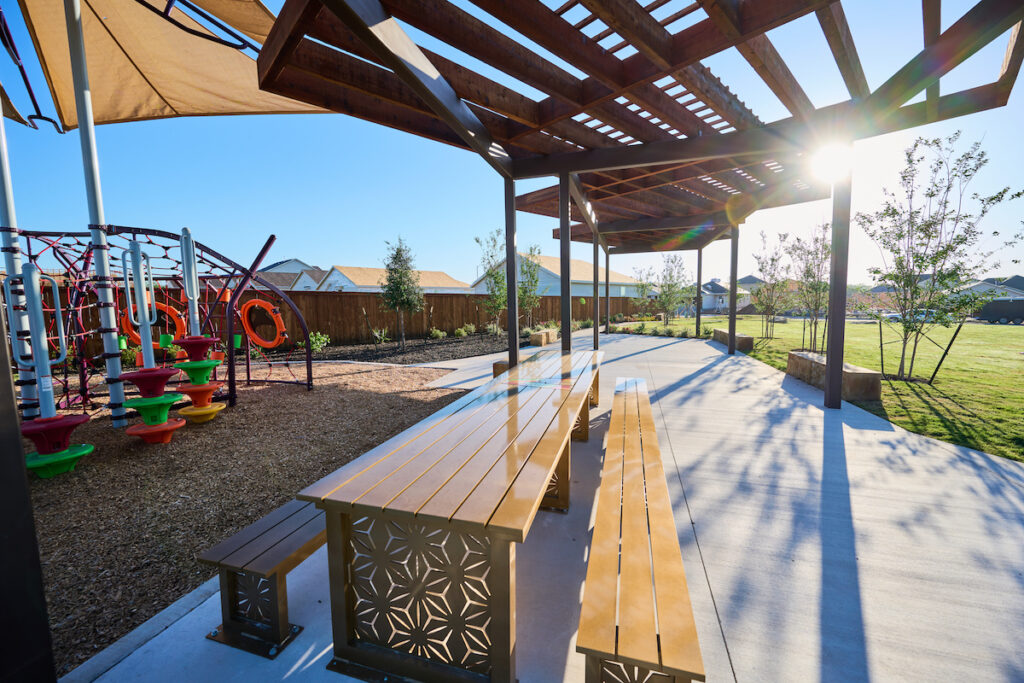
x=224, y=286
x=49, y=432
x=198, y=368
x=151, y=381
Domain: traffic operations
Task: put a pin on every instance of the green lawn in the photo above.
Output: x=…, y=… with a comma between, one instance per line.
x=978, y=396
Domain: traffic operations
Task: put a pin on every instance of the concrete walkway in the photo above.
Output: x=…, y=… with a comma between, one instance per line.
x=819, y=545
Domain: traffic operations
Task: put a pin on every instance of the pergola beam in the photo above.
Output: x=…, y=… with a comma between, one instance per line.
x=666, y=223
x=931, y=14
x=840, y=41
x=382, y=34
x=1011, y=61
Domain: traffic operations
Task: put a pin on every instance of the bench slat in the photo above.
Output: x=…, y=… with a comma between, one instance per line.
x=638, y=637
x=239, y=559
x=600, y=590
x=514, y=512
x=292, y=550
x=521, y=437
x=230, y=545
x=680, y=650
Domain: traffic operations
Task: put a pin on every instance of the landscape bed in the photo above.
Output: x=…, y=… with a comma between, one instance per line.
x=119, y=535
x=416, y=350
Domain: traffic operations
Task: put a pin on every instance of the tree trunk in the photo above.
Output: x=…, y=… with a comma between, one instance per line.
x=913, y=355
x=401, y=327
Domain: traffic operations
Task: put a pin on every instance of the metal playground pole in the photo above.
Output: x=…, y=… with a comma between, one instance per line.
x=91, y=165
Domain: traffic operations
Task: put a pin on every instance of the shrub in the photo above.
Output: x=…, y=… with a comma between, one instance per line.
x=128, y=356
x=493, y=328
x=551, y=324
x=470, y=328
x=380, y=336
x=618, y=318
x=576, y=325
x=640, y=328
x=438, y=334
x=461, y=333
x=318, y=341
x=683, y=333
x=705, y=331
x=587, y=323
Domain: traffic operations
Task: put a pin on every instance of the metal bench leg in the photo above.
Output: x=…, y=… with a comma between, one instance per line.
x=607, y=671
x=254, y=613
x=557, y=495
x=581, y=431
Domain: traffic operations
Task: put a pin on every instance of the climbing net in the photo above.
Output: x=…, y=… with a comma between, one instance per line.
x=80, y=383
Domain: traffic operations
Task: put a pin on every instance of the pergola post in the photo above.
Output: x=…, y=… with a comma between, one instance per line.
x=511, y=259
x=98, y=235
x=564, y=205
x=607, y=292
x=733, y=277
x=837, y=292
x=27, y=648
x=700, y=291
x=597, y=298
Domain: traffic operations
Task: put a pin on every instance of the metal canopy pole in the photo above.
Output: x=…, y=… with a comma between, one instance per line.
x=564, y=201
x=837, y=292
x=97, y=221
x=700, y=290
x=26, y=650
x=733, y=277
x=12, y=264
x=597, y=298
x=607, y=293
x=511, y=257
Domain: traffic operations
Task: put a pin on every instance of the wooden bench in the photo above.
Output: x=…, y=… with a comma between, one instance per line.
x=421, y=530
x=636, y=619
x=744, y=342
x=253, y=565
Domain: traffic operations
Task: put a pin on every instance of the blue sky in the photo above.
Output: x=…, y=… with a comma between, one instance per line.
x=334, y=188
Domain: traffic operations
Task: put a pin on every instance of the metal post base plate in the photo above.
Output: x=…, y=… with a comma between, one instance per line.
x=252, y=644
x=364, y=673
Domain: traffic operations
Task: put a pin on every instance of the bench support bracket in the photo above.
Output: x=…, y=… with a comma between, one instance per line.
x=254, y=610
x=605, y=671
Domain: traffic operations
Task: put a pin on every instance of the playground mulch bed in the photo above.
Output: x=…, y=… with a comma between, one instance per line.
x=416, y=350
x=118, y=536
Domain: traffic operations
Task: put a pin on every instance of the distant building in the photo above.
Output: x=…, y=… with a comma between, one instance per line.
x=292, y=265
x=751, y=283
x=309, y=280
x=581, y=279
x=715, y=297
x=360, y=279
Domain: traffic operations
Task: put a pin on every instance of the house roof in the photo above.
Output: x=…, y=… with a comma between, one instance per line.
x=316, y=274
x=372, y=277
x=280, y=280
x=580, y=271
x=1015, y=282
x=275, y=264
x=750, y=280
x=719, y=288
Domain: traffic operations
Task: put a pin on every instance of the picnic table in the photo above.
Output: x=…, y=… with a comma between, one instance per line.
x=421, y=529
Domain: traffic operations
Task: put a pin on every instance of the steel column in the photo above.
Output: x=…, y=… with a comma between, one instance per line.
x=837, y=292
x=733, y=277
x=607, y=292
x=26, y=651
x=700, y=292
x=94, y=195
x=564, y=206
x=12, y=264
x=511, y=259
x=597, y=298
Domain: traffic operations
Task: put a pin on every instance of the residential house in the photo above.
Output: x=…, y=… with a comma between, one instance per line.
x=360, y=279
x=581, y=278
x=715, y=297
x=751, y=283
x=309, y=280
x=292, y=265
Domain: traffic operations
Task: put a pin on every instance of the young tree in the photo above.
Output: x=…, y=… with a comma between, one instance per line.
x=772, y=296
x=811, y=258
x=493, y=247
x=644, y=289
x=401, y=289
x=529, y=277
x=931, y=240
x=672, y=285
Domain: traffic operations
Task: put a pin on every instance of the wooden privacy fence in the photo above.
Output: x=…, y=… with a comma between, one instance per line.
x=340, y=314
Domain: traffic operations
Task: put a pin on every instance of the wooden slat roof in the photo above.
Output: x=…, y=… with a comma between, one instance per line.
x=625, y=101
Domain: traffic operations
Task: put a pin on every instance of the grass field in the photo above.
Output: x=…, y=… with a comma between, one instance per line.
x=977, y=399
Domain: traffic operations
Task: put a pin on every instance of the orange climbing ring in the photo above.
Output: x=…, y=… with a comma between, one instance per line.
x=275, y=314
x=172, y=314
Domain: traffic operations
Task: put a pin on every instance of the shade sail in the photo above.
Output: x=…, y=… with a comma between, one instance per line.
x=9, y=109
x=142, y=66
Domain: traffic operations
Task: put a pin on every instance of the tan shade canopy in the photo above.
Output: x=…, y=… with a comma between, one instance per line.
x=9, y=109
x=142, y=66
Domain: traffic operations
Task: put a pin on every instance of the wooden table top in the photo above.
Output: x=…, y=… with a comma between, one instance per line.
x=481, y=463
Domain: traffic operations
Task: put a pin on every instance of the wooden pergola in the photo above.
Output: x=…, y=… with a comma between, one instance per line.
x=651, y=150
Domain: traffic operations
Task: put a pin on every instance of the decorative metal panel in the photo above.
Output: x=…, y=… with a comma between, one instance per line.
x=423, y=590
x=616, y=672
x=254, y=598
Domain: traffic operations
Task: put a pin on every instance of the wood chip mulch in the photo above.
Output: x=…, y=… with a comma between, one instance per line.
x=119, y=535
